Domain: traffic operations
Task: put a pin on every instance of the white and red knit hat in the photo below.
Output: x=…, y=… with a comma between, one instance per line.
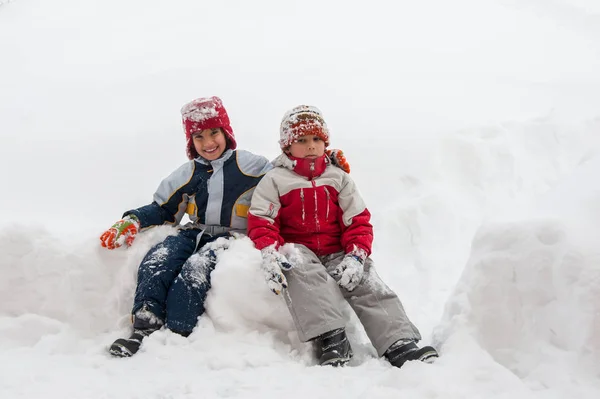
x=205, y=113
x=301, y=121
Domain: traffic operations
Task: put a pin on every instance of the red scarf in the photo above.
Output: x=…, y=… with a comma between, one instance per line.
x=310, y=167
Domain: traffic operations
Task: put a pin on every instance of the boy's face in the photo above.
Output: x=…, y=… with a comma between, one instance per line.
x=210, y=143
x=307, y=147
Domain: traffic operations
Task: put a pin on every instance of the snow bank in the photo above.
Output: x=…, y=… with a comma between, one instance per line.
x=78, y=283
x=530, y=292
x=431, y=196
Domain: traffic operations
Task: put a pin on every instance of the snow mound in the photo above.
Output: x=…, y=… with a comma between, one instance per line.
x=530, y=292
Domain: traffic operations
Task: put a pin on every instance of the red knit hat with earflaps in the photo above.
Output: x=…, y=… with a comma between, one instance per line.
x=302, y=120
x=205, y=113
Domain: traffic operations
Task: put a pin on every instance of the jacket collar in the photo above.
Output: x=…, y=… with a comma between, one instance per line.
x=307, y=167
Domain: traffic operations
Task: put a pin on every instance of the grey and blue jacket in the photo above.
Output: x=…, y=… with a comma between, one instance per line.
x=215, y=195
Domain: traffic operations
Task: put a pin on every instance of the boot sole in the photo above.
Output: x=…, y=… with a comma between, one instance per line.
x=335, y=362
x=118, y=350
x=429, y=356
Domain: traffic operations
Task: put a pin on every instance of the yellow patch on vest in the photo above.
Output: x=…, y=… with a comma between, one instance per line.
x=241, y=210
x=191, y=209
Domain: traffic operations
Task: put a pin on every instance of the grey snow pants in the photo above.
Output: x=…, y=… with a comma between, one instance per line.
x=312, y=302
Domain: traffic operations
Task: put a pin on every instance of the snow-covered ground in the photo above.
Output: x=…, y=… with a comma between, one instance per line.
x=473, y=131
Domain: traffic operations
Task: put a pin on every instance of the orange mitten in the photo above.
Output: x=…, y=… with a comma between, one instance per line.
x=338, y=159
x=122, y=232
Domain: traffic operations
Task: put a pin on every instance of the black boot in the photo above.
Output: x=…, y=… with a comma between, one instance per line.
x=333, y=348
x=403, y=351
x=144, y=324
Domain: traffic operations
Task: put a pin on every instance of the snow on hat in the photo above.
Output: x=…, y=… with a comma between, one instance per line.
x=205, y=113
x=301, y=121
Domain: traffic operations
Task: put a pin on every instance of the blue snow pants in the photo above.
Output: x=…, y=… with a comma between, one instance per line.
x=173, y=280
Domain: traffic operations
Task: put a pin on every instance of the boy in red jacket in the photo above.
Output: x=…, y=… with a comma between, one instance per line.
x=316, y=207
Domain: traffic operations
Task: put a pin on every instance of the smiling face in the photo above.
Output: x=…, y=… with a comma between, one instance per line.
x=210, y=143
x=308, y=146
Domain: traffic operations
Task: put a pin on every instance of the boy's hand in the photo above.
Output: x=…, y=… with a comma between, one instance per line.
x=122, y=232
x=273, y=263
x=338, y=159
x=350, y=270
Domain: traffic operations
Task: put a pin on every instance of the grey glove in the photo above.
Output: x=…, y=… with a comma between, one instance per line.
x=351, y=269
x=273, y=263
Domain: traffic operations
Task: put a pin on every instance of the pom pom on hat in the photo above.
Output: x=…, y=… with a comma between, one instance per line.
x=205, y=113
x=302, y=120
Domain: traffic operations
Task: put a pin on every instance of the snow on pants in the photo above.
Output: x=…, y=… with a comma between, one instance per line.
x=173, y=281
x=313, y=302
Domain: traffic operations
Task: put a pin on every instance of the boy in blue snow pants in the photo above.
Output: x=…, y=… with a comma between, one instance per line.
x=214, y=188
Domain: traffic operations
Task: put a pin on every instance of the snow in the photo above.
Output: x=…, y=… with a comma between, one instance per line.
x=529, y=292
x=472, y=128
x=200, y=110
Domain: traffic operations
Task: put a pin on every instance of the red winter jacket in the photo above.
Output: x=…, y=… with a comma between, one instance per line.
x=309, y=202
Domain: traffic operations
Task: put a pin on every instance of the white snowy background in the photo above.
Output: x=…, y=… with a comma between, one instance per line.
x=473, y=131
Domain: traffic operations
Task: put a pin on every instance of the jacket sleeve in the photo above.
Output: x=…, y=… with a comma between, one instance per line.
x=263, y=216
x=170, y=199
x=357, y=230
x=151, y=215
